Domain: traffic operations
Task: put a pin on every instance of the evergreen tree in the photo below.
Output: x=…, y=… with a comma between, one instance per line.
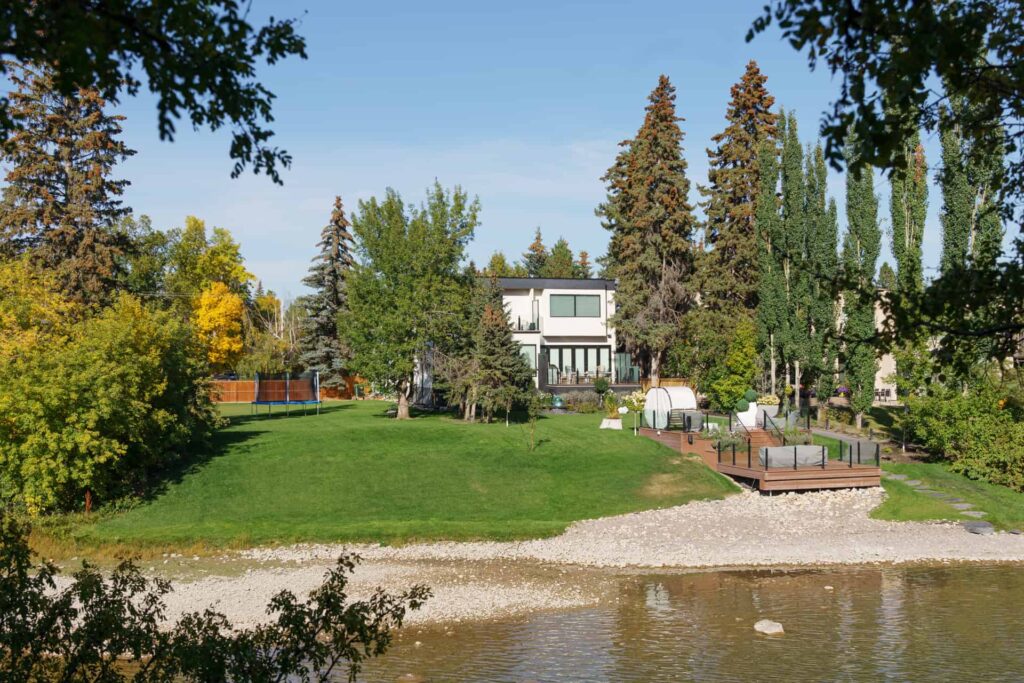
x=559, y=263
x=582, y=269
x=822, y=266
x=771, y=310
x=860, y=254
x=535, y=256
x=503, y=373
x=730, y=270
x=61, y=203
x=497, y=266
x=320, y=347
x=652, y=224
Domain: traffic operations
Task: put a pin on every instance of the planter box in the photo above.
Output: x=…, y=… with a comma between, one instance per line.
x=608, y=423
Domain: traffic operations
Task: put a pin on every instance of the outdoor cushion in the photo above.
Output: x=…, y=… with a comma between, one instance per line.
x=782, y=456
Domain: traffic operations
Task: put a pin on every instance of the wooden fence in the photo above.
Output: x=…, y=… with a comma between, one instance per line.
x=645, y=383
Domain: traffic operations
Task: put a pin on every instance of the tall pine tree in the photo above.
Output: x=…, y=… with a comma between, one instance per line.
x=582, y=269
x=61, y=202
x=559, y=263
x=504, y=374
x=860, y=255
x=321, y=347
x=652, y=224
x=730, y=269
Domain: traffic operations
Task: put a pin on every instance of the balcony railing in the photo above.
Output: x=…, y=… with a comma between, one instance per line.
x=521, y=325
x=558, y=377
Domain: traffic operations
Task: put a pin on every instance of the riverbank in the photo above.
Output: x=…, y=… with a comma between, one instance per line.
x=481, y=580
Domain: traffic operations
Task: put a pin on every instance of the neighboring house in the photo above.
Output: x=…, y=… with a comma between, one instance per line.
x=885, y=390
x=564, y=330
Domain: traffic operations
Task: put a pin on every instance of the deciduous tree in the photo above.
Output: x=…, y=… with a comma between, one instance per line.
x=218, y=317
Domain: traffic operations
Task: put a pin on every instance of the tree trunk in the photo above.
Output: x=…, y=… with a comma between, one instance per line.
x=403, y=401
x=859, y=421
x=796, y=385
x=655, y=370
x=771, y=350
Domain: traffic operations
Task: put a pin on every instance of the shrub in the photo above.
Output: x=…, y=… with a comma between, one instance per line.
x=635, y=401
x=750, y=395
x=723, y=438
x=582, y=401
x=739, y=369
x=601, y=385
x=611, y=405
x=979, y=433
x=70, y=633
x=768, y=400
x=103, y=408
x=742, y=405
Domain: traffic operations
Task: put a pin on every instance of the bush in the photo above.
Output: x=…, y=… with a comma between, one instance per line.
x=725, y=439
x=979, y=433
x=601, y=385
x=583, y=401
x=750, y=395
x=611, y=405
x=101, y=408
x=71, y=633
x=742, y=405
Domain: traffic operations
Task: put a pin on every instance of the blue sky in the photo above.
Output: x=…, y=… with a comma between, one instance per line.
x=523, y=104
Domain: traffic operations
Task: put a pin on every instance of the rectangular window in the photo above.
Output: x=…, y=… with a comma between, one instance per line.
x=575, y=306
x=529, y=352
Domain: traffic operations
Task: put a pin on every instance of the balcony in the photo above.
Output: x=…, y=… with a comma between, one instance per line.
x=523, y=325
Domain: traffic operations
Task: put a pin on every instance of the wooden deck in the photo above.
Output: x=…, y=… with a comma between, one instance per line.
x=835, y=474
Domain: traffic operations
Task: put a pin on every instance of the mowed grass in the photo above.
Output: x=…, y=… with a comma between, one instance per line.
x=1004, y=506
x=352, y=474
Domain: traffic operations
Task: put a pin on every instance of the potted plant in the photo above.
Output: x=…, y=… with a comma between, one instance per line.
x=746, y=409
x=613, y=419
x=842, y=396
x=768, y=404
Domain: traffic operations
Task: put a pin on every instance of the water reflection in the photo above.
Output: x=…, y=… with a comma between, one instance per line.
x=920, y=623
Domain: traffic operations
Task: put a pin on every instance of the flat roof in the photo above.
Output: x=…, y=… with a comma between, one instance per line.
x=555, y=283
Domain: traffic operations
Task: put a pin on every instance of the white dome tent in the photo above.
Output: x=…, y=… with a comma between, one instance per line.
x=661, y=401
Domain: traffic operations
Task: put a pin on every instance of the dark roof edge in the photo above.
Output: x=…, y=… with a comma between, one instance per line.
x=555, y=283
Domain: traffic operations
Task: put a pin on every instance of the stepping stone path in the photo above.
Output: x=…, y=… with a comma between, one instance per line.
x=959, y=504
x=982, y=528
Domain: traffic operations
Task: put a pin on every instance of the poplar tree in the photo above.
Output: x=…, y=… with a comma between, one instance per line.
x=61, y=202
x=822, y=265
x=730, y=269
x=652, y=224
x=771, y=310
x=791, y=247
x=860, y=255
x=321, y=348
x=535, y=256
x=908, y=206
x=559, y=263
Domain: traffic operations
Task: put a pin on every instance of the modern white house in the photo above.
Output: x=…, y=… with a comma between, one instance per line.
x=564, y=329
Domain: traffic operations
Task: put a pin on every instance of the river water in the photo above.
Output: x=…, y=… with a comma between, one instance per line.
x=921, y=623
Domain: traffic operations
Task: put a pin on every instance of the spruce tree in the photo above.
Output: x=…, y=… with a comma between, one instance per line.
x=771, y=317
x=582, y=270
x=61, y=203
x=861, y=245
x=535, y=256
x=652, y=224
x=559, y=263
x=730, y=270
x=321, y=347
x=504, y=373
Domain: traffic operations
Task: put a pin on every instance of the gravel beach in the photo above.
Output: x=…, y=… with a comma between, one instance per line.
x=482, y=580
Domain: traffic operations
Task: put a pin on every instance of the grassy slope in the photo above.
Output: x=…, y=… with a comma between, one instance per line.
x=1004, y=506
x=351, y=474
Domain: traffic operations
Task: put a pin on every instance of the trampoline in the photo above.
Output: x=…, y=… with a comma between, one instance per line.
x=288, y=390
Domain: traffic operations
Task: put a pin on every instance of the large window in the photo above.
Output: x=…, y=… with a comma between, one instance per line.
x=575, y=305
x=580, y=359
x=529, y=352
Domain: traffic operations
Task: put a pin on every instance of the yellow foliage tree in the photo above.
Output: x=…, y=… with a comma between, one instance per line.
x=32, y=310
x=218, y=316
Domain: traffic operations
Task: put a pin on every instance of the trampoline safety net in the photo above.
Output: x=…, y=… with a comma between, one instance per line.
x=287, y=389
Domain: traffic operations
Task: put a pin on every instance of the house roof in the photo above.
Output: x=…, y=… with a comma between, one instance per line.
x=555, y=283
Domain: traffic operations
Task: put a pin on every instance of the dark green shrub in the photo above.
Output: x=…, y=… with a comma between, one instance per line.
x=750, y=395
x=601, y=385
x=742, y=405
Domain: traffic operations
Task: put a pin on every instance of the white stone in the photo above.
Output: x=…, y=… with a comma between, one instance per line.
x=769, y=627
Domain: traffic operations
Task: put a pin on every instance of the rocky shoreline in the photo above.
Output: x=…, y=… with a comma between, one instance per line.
x=483, y=580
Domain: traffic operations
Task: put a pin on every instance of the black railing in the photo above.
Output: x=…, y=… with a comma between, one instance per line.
x=520, y=325
x=769, y=422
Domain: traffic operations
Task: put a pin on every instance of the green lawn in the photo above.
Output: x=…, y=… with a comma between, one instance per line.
x=351, y=474
x=1004, y=506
